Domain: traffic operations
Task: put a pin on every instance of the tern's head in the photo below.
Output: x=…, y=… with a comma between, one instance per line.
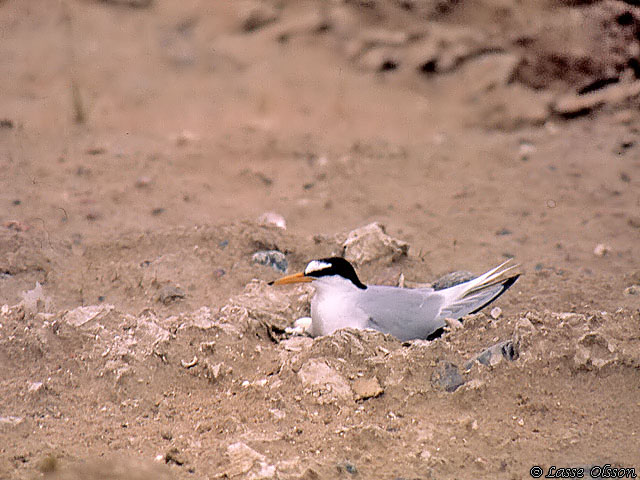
x=324, y=268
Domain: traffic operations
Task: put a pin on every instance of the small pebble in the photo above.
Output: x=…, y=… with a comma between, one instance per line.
x=170, y=293
x=157, y=211
x=632, y=290
x=185, y=137
x=274, y=219
x=348, y=467
x=35, y=387
x=189, y=364
x=143, y=181
x=219, y=273
x=525, y=151
x=93, y=215
x=96, y=150
x=601, y=250
x=495, y=313
x=173, y=456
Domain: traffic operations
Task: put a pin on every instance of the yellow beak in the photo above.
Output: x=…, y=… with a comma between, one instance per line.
x=295, y=278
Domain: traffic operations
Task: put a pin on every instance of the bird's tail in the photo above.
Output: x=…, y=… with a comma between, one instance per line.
x=472, y=296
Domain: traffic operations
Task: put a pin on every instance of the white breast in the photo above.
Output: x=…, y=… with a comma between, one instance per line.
x=334, y=306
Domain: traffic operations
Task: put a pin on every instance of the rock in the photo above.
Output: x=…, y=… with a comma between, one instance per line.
x=185, y=137
x=365, y=388
x=452, y=279
x=208, y=348
x=173, y=456
x=495, y=354
x=447, y=377
x=320, y=377
x=371, y=243
x=143, y=182
x=82, y=315
x=215, y=371
x=574, y=105
x=594, y=350
x=525, y=151
x=632, y=290
x=495, y=313
x=170, y=293
x=378, y=60
x=35, y=387
x=272, y=219
x=271, y=258
x=255, y=15
x=244, y=460
x=347, y=467
x=601, y=250
x=190, y=363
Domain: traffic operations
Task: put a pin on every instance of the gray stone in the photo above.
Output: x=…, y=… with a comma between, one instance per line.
x=447, y=377
x=271, y=258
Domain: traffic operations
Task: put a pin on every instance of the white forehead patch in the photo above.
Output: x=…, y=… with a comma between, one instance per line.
x=316, y=266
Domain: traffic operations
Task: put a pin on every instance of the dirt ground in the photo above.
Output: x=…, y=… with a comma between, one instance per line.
x=142, y=140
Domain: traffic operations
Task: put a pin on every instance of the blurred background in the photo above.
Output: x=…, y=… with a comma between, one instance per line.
x=149, y=148
x=457, y=119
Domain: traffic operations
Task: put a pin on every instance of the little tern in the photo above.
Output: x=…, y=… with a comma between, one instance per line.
x=341, y=300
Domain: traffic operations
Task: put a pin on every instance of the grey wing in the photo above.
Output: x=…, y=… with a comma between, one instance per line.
x=404, y=313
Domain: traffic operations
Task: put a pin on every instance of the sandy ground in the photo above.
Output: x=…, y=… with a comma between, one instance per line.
x=141, y=141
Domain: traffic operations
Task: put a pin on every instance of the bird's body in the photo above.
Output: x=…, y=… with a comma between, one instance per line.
x=342, y=301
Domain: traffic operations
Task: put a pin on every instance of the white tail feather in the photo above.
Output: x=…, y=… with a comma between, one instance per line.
x=468, y=297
